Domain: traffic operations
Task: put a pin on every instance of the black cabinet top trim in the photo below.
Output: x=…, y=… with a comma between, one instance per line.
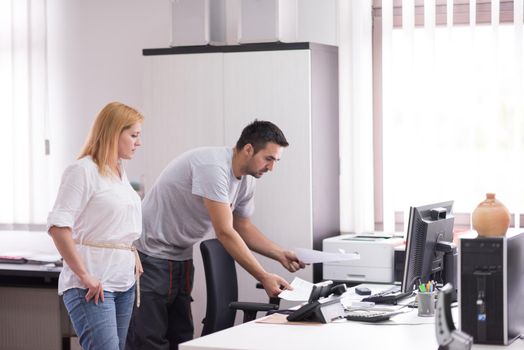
x=273, y=46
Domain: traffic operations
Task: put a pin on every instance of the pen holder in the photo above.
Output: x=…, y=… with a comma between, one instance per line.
x=426, y=304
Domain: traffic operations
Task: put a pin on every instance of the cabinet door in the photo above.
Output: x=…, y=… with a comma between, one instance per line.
x=183, y=107
x=183, y=110
x=275, y=86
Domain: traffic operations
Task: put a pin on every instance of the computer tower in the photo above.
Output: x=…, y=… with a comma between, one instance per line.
x=491, y=288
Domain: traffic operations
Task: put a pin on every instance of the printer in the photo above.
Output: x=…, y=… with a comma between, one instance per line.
x=376, y=263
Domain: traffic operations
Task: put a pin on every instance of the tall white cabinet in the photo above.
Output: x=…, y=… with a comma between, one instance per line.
x=198, y=96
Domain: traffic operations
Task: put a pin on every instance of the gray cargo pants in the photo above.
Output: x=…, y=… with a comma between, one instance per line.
x=163, y=319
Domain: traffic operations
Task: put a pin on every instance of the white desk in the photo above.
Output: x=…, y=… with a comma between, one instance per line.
x=350, y=335
x=402, y=332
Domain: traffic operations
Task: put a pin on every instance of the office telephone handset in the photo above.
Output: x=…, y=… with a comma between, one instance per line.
x=305, y=312
x=323, y=306
x=449, y=338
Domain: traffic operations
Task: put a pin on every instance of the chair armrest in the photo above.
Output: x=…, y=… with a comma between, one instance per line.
x=250, y=309
x=248, y=306
x=274, y=300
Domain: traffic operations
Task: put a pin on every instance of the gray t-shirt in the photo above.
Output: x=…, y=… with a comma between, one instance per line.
x=174, y=216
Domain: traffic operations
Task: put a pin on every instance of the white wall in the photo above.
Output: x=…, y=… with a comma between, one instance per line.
x=317, y=21
x=94, y=57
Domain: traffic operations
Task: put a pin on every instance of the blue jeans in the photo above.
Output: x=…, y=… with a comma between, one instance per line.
x=103, y=326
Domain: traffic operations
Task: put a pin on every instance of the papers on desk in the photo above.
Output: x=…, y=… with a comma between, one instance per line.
x=36, y=247
x=310, y=256
x=33, y=257
x=277, y=318
x=301, y=290
x=43, y=258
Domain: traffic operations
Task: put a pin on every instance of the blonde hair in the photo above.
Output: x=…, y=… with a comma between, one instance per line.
x=102, y=141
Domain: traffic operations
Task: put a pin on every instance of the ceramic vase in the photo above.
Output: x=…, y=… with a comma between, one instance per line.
x=491, y=218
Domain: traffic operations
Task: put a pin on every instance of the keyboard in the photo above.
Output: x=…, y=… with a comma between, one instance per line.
x=370, y=315
x=389, y=296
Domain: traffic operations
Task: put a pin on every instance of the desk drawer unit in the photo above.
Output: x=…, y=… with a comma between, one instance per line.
x=29, y=319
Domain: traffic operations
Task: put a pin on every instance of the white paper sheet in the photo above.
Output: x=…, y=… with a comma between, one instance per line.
x=301, y=290
x=310, y=256
x=34, y=257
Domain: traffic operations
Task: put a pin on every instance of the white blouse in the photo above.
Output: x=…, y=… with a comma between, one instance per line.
x=98, y=209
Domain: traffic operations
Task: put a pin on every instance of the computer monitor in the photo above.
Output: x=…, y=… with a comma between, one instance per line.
x=429, y=245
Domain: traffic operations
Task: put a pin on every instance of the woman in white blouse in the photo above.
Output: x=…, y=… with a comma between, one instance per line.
x=95, y=219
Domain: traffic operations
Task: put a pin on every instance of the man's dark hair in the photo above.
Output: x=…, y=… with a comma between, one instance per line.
x=259, y=133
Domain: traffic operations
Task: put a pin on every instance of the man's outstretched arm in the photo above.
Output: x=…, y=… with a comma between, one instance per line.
x=259, y=243
x=222, y=219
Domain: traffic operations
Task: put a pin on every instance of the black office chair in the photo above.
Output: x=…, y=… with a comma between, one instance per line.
x=222, y=290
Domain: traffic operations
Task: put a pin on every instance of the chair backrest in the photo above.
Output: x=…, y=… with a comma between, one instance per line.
x=221, y=286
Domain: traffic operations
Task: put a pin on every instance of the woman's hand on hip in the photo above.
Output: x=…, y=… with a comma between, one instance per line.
x=94, y=289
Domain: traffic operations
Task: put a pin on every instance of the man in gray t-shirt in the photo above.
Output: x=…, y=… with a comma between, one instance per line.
x=201, y=190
